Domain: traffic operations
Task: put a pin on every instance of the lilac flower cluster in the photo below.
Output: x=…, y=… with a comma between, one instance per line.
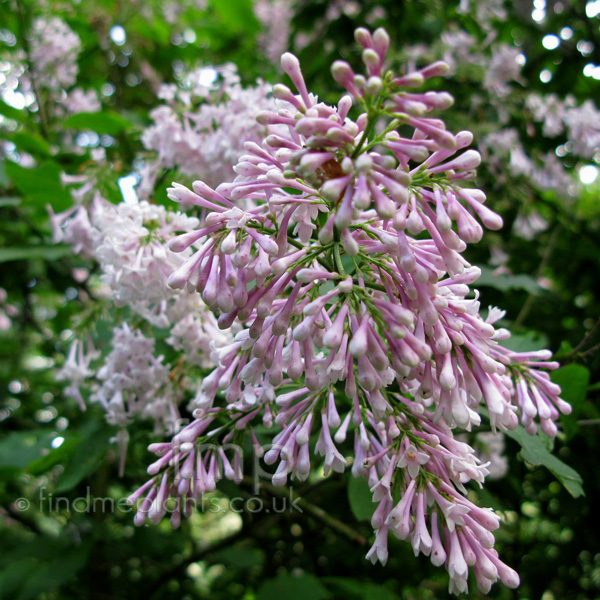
x=54, y=51
x=275, y=17
x=128, y=241
x=6, y=311
x=202, y=126
x=44, y=77
x=335, y=256
x=506, y=153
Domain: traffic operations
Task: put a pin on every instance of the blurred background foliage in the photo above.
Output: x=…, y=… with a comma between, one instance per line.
x=547, y=281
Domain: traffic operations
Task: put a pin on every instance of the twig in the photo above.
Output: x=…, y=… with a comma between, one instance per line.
x=587, y=338
x=17, y=516
x=590, y=350
x=543, y=264
x=315, y=511
x=576, y=352
x=588, y=422
x=30, y=66
x=194, y=557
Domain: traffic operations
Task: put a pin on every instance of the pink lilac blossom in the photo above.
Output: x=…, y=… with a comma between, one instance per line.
x=337, y=254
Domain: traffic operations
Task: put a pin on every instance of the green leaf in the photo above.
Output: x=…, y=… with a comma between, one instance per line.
x=507, y=282
x=19, y=448
x=375, y=591
x=88, y=454
x=10, y=201
x=348, y=263
x=236, y=15
x=52, y=575
x=11, y=112
x=55, y=456
x=240, y=557
x=535, y=451
x=12, y=578
x=41, y=186
x=292, y=588
x=40, y=566
x=360, y=499
x=573, y=380
x=354, y=589
x=532, y=340
x=107, y=122
x=31, y=143
x=33, y=252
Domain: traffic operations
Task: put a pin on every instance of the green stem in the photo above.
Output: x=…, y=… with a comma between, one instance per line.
x=338, y=259
x=314, y=511
x=30, y=67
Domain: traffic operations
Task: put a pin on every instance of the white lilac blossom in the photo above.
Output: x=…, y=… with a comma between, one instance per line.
x=503, y=68
x=205, y=139
x=131, y=249
x=172, y=11
x=275, y=17
x=336, y=10
x=133, y=381
x=78, y=100
x=54, y=51
x=6, y=311
x=490, y=450
x=528, y=226
x=504, y=151
x=76, y=369
x=504, y=154
x=50, y=70
x=129, y=382
x=336, y=253
x=549, y=110
x=485, y=13
x=581, y=124
x=459, y=49
x=128, y=241
x=73, y=227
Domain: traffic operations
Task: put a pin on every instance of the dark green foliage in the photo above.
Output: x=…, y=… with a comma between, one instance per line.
x=57, y=543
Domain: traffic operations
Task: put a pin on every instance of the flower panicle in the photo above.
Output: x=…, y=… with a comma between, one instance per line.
x=336, y=258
